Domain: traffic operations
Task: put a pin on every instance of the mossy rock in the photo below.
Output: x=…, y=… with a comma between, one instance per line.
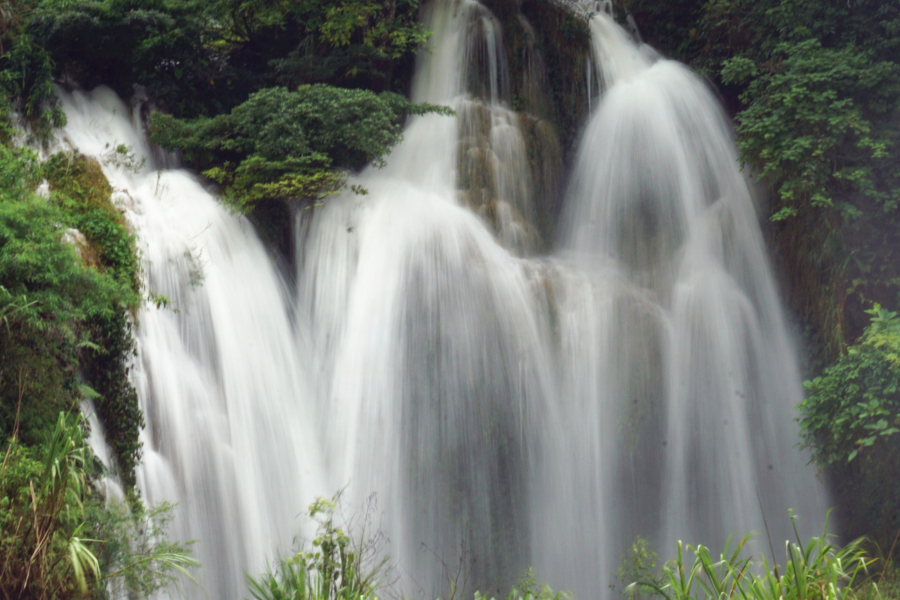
x=80, y=188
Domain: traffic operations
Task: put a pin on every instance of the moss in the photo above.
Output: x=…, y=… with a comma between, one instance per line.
x=80, y=188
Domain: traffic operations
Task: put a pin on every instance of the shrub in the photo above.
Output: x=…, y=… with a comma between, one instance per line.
x=59, y=539
x=815, y=570
x=283, y=144
x=336, y=567
x=856, y=402
x=65, y=314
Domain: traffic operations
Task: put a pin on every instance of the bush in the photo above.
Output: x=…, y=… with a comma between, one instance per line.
x=59, y=539
x=856, y=402
x=65, y=306
x=336, y=567
x=815, y=570
x=283, y=144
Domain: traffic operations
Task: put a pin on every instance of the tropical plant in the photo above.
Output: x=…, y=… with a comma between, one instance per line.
x=43, y=552
x=135, y=556
x=812, y=570
x=528, y=588
x=638, y=564
x=58, y=539
x=337, y=566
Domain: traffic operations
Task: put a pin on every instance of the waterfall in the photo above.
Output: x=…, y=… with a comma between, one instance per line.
x=511, y=397
x=230, y=423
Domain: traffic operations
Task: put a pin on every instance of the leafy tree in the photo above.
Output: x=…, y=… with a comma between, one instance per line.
x=199, y=57
x=283, y=144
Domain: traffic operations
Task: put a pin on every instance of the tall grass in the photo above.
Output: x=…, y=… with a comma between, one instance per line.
x=59, y=539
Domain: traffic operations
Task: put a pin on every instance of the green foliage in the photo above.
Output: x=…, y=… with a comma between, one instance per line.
x=41, y=518
x=64, y=306
x=856, y=402
x=26, y=75
x=134, y=553
x=58, y=539
x=814, y=570
x=283, y=144
x=811, y=126
x=200, y=57
x=529, y=589
x=336, y=567
x=884, y=585
x=79, y=187
x=638, y=567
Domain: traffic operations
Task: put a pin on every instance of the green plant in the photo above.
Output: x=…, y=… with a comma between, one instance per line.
x=65, y=305
x=855, y=403
x=541, y=593
x=44, y=554
x=337, y=566
x=529, y=589
x=814, y=570
x=205, y=57
x=133, y=550
x=883, y=584
x=283, y=144
x=58, y=539
x=638, y=565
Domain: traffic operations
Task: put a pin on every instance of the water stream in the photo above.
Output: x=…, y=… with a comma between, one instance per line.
x=511, y=398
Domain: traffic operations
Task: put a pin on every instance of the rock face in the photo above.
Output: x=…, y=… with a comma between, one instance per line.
x=510, y=162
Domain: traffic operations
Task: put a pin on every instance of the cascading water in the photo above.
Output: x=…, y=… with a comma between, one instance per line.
x=681, y=400
x=506, y=409
x=230, y=431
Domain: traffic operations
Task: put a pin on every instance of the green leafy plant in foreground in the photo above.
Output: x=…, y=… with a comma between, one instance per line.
x=59, y=539
x=529, y=589
x=337, y=566
x=349, y=566
x=814, y=570
x=638, y=564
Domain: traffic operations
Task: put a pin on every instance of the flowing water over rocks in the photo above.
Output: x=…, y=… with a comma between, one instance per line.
x=509, y=395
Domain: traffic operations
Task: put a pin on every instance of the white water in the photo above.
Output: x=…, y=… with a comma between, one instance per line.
x=510, y=409
x=231, y=433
